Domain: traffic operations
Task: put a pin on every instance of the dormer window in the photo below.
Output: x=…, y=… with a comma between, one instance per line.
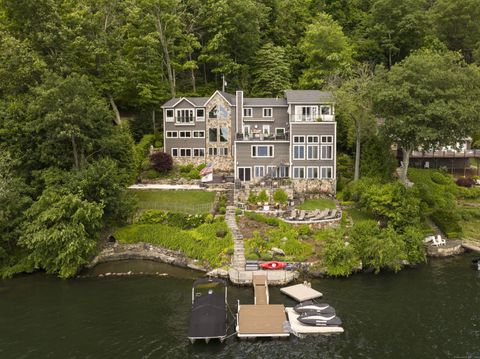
x=267, y=112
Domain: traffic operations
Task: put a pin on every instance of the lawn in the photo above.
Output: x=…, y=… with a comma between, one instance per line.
x=321, y=203
x=192, y=202
x=470, y=229
x=359, y=215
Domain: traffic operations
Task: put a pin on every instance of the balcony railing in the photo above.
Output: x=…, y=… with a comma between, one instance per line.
x=184, y=119
x=262, y=137
x=312, y=118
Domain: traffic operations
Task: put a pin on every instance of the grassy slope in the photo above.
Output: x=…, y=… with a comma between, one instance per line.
x=201, y=243
x=176, y=201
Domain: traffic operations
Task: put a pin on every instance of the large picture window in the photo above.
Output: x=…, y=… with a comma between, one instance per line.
x=312, y=152
x=223, y=134
x=262, y=151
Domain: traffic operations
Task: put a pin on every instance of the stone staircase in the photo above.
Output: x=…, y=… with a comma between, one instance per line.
x=238, y=260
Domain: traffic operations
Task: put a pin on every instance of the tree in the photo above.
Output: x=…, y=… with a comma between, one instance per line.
x=327, y=51
x=457, y=23
x=271, y=73
x=280, y=196
x=355, y=106
x=161, y=161
x=428, y=101
x=60, y=232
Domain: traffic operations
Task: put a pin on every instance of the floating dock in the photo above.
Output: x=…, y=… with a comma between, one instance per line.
x=261, y=319
x=301, y=292
x=301, y=330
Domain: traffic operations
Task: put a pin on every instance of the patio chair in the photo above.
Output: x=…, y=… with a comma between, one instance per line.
x=293, y=214
x=332, y=215
x=302, y=215
x=438, y=241
x=429, y=239
x=312, y=214
x=321, y=215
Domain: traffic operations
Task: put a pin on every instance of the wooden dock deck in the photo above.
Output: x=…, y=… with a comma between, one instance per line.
x=261, y=319
x=472, y=245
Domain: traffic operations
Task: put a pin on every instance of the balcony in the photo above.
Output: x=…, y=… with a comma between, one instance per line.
x=261, y=137
x=312, y=118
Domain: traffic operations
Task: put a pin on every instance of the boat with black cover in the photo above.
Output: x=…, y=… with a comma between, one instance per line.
x=320, y=320
x=311, y=307
x=208, y=319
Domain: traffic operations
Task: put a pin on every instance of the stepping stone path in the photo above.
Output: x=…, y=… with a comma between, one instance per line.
x=238, y=260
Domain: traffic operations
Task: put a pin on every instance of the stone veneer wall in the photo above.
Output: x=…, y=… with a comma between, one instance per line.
x=221, y=163
x=306, y=186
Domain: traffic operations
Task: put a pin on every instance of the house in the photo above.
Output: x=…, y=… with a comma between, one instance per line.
x=292, y=137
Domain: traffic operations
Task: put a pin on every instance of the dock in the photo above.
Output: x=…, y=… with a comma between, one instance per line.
x=301, y=292
x=261, y=319
x=301, y=330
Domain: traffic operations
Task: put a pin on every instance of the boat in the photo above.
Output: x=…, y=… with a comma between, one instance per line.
x=311, y=307
x=320, y=320
x=208, y=318
x=273, y=265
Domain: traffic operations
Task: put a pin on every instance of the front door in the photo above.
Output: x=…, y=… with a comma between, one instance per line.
x=245, y=173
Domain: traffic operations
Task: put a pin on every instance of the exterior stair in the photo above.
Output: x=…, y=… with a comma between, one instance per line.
x=238, y=259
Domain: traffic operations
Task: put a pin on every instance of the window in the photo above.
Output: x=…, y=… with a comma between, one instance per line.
x=312, y=139
x=212, y=151
x=325, y=110
x=283, y=171
x=262, y=151
x=246, y=130
x=185, y=116
x=280, y=132
x=326, y=172
x=185, y=134
x=307, y=113
x=312, y=152
x=172, y=134
x=299, y=152
x=199, y=134
x=223, y=134
x=169, y=116
x=272, y=171
x=312, y=172
x=247, y=112
x=223, y=151
x=198, y=152
x=298, y=139
x=219, y=112
x=174, y=152
x=259, y=171
x=327, y=139
x=185, y=152
x=200, y=114
x=327, y=152
x=212, y=134
x=298, y=172
x=267, y=112
x=218, y=151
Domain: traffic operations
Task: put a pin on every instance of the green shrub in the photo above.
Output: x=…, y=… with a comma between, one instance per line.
x=152, y=174
x=185, y=168
x=180, y=220
x=280, y=196
x=238, y=211
x=263, y=196
x=271, y=221
x=222, y=210
x=252, y=198
x=339, y=257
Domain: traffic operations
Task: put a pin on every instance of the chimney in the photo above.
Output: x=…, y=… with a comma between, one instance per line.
x=239, y=111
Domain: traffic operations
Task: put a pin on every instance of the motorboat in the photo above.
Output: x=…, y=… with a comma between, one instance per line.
x=273, y=265
x=310, y=307
x=208, y=319
x=320, y=320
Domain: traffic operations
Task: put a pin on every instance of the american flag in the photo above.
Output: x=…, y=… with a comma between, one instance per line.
x=206, y=170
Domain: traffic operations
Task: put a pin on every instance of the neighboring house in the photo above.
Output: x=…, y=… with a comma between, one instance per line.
x=292, y=137
x=454, y=158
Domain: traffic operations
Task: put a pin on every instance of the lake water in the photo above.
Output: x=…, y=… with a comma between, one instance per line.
x=428, y=312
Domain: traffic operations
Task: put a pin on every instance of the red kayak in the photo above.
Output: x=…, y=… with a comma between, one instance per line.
x=273, y=265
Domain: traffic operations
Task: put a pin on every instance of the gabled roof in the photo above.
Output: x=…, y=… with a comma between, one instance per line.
x=308, y=96
x=196, y=101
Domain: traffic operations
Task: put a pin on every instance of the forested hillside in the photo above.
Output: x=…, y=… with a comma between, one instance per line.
x=70, y=68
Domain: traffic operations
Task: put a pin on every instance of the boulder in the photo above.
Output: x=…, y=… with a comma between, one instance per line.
x=278, y=251
x=218, y=272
